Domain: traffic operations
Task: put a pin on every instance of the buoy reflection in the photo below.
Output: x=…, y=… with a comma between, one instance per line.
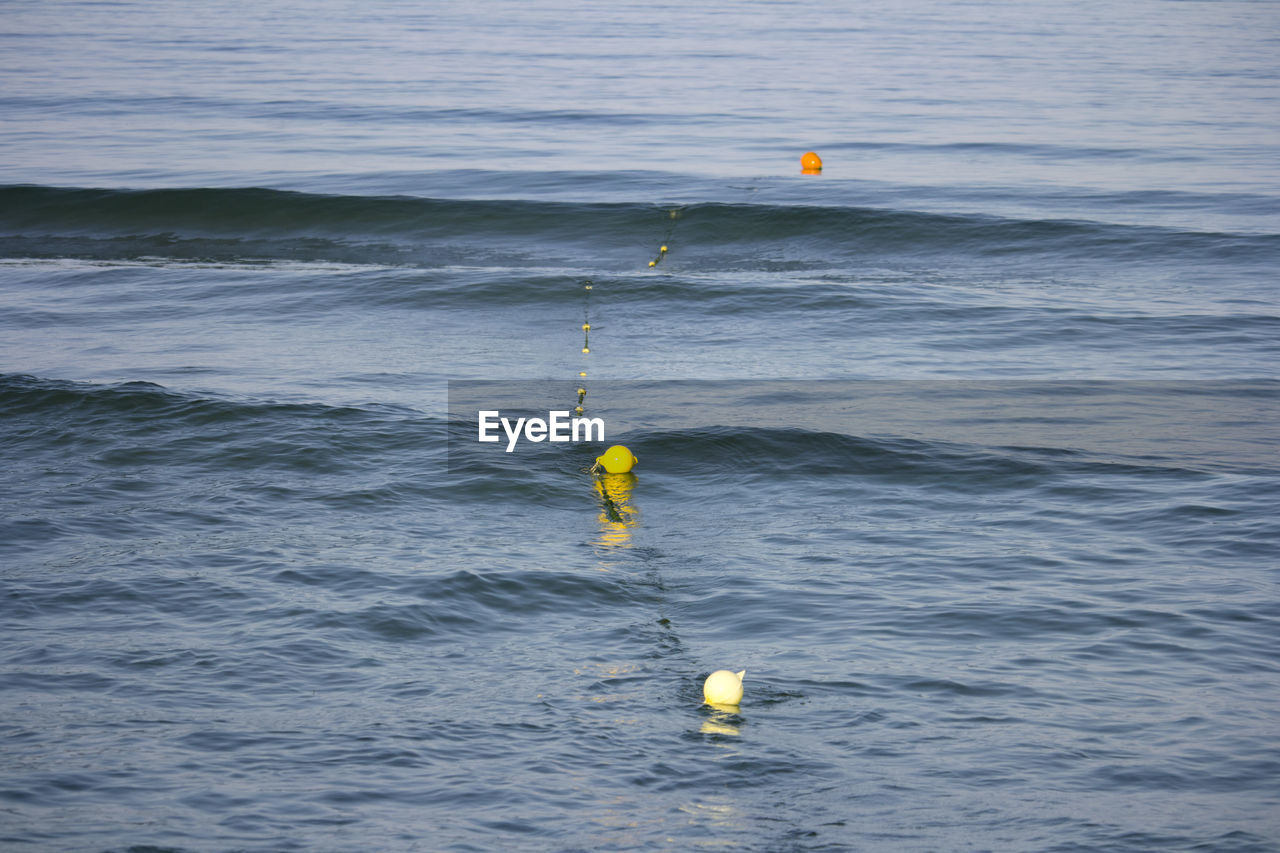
x=617, y=514
x=724, y=720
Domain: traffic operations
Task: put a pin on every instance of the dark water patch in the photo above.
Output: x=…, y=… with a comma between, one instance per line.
x=464, y=603
x=771, y=454
x=140, y=425
x=1235, y=841
x=263, y=223
x=305, y=109
x=211, y=223
x=141, y=597
x=56, y=682
x=466, y=289
x=1005, y=329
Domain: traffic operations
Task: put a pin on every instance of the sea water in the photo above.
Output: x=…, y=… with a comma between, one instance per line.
x=965, y=449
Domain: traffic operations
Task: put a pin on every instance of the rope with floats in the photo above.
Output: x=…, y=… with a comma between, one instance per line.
x=617, y=459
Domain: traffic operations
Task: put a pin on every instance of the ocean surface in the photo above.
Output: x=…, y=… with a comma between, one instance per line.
x=965, y=449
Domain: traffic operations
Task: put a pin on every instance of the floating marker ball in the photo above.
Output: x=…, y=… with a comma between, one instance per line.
x=617, y=460
x=811, y=162
x=723, y=687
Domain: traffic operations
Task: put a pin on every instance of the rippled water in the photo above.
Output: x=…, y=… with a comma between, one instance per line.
x=965, y=449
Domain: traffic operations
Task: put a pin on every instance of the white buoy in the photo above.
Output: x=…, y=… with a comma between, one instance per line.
x=723, y=687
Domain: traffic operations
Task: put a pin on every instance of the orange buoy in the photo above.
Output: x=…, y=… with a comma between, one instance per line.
x=810, y=163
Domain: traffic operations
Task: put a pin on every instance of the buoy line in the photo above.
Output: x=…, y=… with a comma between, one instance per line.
x=722, y=689
x=673, y=214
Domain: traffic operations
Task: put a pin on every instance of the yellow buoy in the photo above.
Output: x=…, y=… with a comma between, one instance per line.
x=617, y=460
x=723, y=687
x=810, y=163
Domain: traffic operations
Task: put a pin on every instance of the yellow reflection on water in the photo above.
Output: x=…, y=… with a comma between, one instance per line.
x=617, y=514
x=724, y=720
